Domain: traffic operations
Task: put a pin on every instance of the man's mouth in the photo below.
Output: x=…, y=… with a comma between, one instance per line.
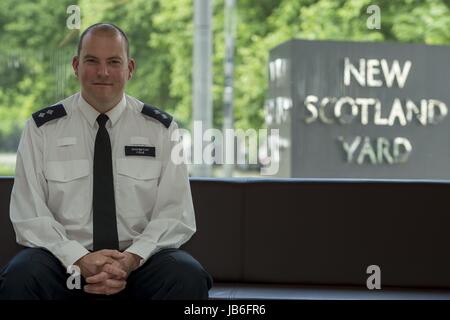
x=102, y=84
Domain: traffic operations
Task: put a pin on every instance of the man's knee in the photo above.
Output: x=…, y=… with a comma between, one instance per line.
x=181, y=276
x=27, y=263
x=189, y=275
x=26, y=274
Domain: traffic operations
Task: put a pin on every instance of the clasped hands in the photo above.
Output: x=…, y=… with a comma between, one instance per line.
x=106, y=271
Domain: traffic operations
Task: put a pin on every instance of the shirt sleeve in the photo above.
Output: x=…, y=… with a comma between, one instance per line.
x=33, y=222
x=173, y=217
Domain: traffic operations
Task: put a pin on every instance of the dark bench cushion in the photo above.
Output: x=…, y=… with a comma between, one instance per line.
x=321, y=232
x=219, y=209
x=329, y=232
x=8, y=245
x=310, y=232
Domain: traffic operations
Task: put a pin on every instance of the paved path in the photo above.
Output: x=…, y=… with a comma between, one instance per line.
x=8, y=159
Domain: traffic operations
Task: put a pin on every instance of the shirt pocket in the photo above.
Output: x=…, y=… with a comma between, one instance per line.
x=68, y=188
x=137, y=186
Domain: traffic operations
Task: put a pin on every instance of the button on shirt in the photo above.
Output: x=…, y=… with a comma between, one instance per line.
x=51, y=201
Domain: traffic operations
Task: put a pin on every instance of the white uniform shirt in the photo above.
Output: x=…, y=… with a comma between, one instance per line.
x=51, y=201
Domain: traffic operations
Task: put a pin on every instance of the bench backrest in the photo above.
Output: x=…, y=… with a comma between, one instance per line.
x=311, y=231
x=323, y=232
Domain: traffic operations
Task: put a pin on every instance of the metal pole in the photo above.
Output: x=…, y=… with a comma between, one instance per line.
x=202, y=82
x=228, y=92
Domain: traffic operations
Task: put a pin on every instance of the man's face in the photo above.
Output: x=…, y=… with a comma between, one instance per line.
x=103, y=69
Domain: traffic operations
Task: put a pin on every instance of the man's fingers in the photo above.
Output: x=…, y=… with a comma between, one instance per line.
x=112, y=253
x=103, y=260
x=113, y=283
x=95, y=289
x=105, y=256
x=112, y=287
x=100, y=277
x=115, y=271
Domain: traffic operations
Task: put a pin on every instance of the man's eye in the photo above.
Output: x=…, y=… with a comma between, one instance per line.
x=90, y=60
x=115, y=61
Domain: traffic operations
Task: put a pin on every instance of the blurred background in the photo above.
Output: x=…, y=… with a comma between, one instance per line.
x=36, y=48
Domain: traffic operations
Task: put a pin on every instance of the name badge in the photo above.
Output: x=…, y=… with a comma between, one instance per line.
x=139, y=151
x=67, y=141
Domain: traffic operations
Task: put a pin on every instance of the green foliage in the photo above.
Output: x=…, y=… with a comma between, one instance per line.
x=36, y=48
x=6, y=170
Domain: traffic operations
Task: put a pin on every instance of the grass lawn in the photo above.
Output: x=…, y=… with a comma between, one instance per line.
x=6, y=170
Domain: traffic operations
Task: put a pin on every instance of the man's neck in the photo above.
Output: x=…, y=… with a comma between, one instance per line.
x=100, y=107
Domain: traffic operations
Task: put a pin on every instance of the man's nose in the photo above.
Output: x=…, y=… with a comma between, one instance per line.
x=103, y=70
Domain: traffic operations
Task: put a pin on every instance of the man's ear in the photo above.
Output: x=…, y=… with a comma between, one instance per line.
x=75, y=63
x=131, y=67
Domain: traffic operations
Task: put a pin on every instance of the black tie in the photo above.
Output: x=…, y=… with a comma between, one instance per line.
x=104, y=205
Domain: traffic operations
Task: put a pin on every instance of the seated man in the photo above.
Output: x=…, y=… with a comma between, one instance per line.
x=96, y=191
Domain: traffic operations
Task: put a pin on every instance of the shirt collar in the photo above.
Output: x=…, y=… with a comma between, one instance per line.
x=91, y=114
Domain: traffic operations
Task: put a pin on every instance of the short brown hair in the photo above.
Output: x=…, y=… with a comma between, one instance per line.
x=104, y=27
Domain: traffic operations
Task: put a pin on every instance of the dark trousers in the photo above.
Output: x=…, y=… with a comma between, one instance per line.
x=35, y=273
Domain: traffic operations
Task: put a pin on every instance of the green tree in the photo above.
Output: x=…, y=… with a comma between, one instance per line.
x=36, y=47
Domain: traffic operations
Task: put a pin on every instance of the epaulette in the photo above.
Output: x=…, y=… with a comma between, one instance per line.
x=47, y=114
x=161, y=116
